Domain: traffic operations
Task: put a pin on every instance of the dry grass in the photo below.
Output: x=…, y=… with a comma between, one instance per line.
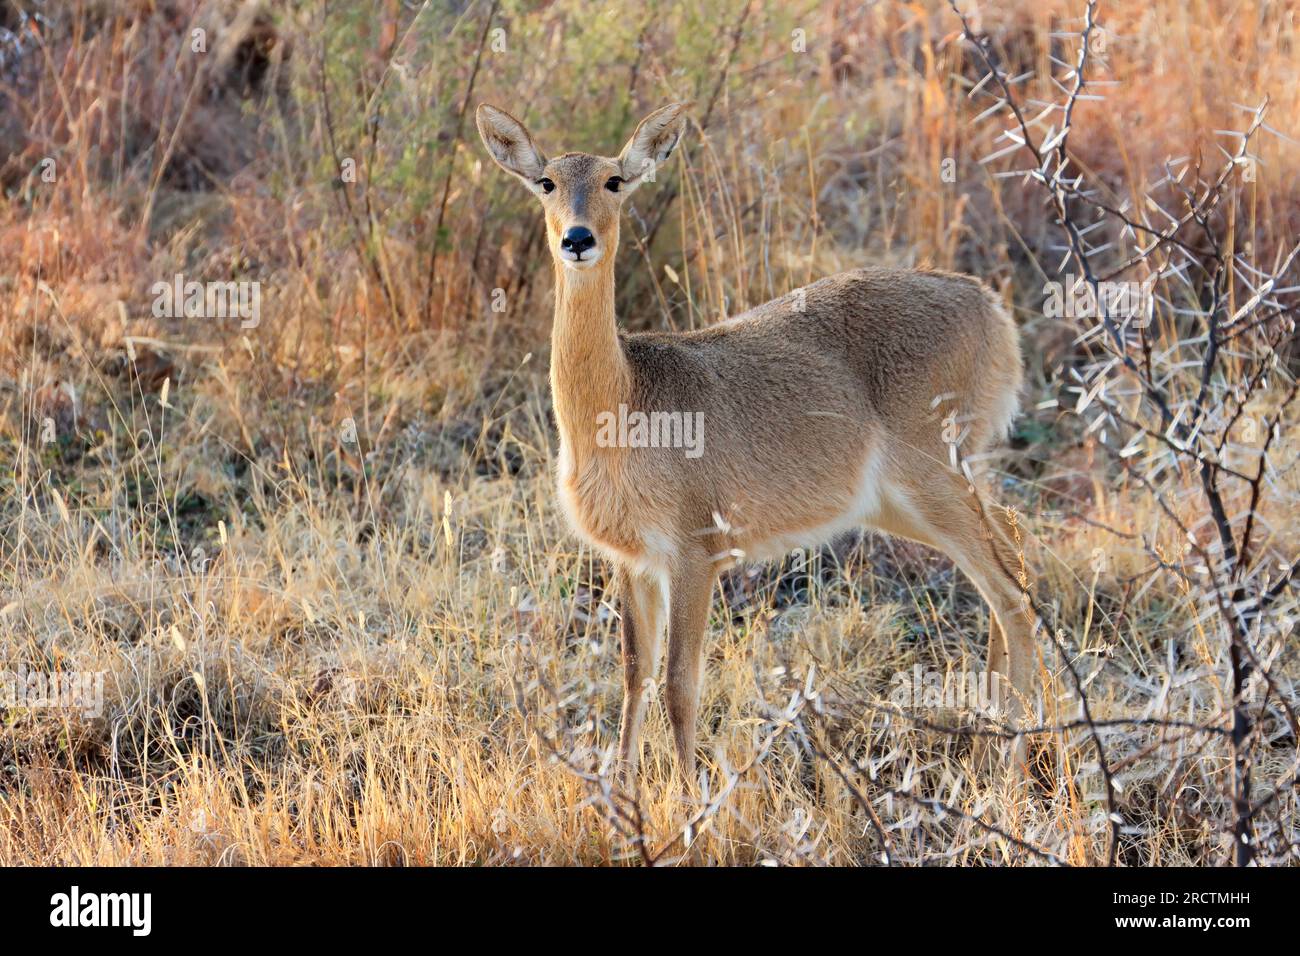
x=336, y=652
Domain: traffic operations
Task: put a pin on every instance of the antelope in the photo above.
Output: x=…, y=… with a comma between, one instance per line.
x=820, y=413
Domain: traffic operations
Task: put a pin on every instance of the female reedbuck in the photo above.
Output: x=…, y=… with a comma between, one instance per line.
x=821, y=410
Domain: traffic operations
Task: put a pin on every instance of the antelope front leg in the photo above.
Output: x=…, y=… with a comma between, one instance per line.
x=643, y=607
x=691, y=594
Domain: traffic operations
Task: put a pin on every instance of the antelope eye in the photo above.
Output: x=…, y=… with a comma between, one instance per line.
x=546, y=184
x=614, y=183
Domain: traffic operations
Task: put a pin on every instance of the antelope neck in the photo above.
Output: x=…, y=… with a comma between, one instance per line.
x=589, y=372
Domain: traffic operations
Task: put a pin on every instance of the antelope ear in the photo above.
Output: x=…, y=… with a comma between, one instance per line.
x=508, y=142
x=652, y=144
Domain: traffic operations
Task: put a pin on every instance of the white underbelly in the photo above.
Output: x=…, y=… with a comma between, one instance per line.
x=861, y=508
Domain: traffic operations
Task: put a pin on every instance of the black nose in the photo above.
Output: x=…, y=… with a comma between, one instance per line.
x=577, y=240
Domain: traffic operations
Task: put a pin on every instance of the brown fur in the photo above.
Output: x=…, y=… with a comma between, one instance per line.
x=822, y=409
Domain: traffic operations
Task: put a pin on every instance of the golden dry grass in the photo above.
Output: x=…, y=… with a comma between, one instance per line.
x=326, y=652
